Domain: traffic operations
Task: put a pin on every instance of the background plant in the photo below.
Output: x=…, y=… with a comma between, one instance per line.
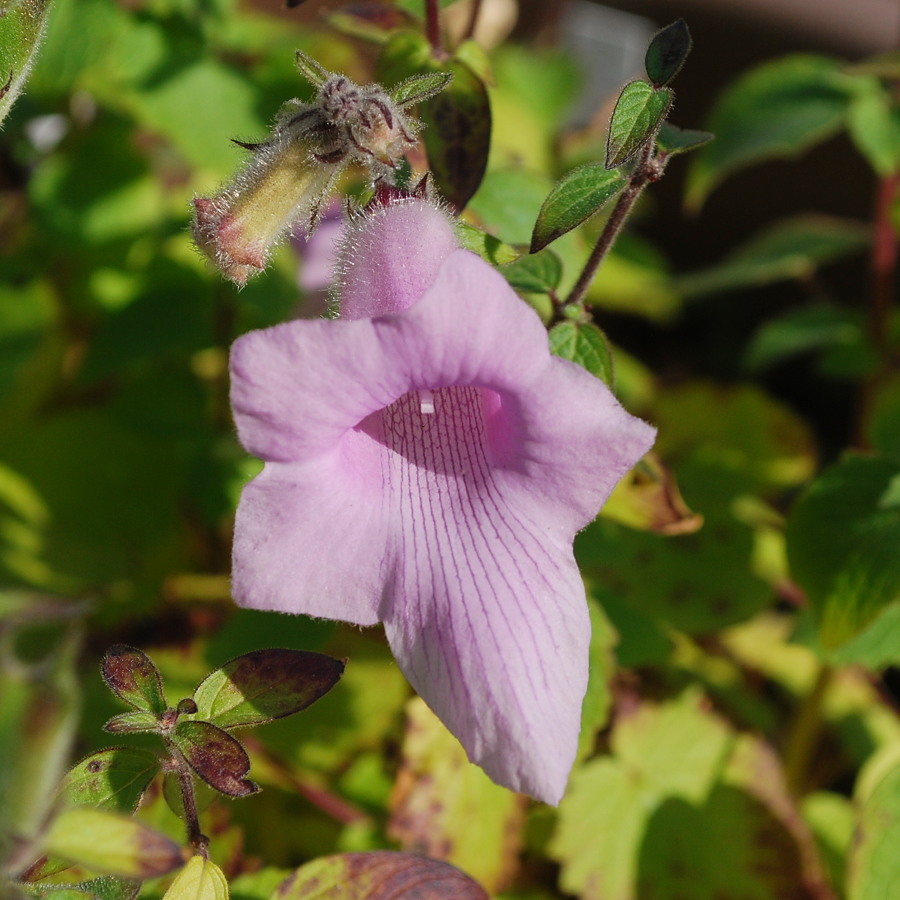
x=740, y=734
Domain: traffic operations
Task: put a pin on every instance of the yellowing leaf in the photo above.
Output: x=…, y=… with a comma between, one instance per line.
x=200, y=879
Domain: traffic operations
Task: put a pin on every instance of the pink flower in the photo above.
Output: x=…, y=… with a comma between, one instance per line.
x=427, y=467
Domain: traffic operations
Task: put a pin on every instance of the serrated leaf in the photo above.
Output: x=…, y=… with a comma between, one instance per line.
x=576, y=197
x=842, y=542
x=379, y=875
x=489, y=248
x=114, y=778
x=874, y=866
x=444, y=806
x=22, y=29
x=672, y=140
x=792, y=248
x=779, y=109
x=419, y=88
x=584, y=343
x=215, y=756
x=200, y=879
x=667, y=52
x=637, y=115
x=265, y=685
x=133, y=722
x=534, y=273
x=112, y=843
x=131, y=676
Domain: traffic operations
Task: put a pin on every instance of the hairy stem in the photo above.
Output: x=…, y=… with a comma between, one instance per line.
x=196, y=838
x=649, y=169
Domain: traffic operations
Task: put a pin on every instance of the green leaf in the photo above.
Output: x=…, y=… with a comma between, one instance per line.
x=874, y=867
x=115, y=779
x=112, y=843
x=457, y=134
x=635, y=120
x=672, y=140
x=882, y=421
x=420, y=87
x=831, y=818
x=370, y=22
x=584, y=343
x=23, y=24
x=801, y=331
x=779, y=109
x=215, y=756
x=488, y=247
x=667, y=52
x=380, y=875
x=842, y=540
x=133, y=722
x=575, y=198
x=200, y=879
x=265, y=685
x=792, y=248
x=874, y=126
x=534, y=273
x=445, y=806
x=131, y=675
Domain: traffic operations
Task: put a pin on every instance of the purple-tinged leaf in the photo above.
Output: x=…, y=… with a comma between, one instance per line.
x=265, y=685
x=112, y=843
x=131, y=675
x=215, y=756
x=574, y=199
x=458, y=135
x=667, y=52
x=114, y=778
x=379, y=875
x=639, y=111
x=133, y=722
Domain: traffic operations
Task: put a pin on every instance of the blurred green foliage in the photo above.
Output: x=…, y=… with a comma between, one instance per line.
x=738, y=727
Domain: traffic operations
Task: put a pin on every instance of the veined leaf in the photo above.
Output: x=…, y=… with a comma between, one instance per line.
x=667, y=52
x=215, y=756
x=200, y=879
x=639, y=111
x=534, y=273
x=585, y=344
x=131, y=676
x=574, y=199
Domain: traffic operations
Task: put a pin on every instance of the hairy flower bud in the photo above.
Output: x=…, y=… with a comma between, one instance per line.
x=290, y=175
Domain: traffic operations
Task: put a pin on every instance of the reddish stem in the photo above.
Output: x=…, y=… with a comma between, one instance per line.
x=433, y=26
x=473, y=21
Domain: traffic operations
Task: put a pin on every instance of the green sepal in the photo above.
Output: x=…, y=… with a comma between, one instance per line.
x=419, y=87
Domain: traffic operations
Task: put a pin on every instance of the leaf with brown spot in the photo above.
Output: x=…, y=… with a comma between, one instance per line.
x=114, y=778
x=446, y=807
x=379, y=875
x=131, y=676
x=265, y=685
x=215, y=756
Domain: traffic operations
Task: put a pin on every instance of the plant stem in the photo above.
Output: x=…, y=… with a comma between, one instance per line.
x=197, y=839
x=804, y=735
x=649, y=169
x=469, y=33
x=883, y=261
x=433, y=26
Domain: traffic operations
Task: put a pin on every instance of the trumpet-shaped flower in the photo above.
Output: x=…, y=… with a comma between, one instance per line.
x=428, y=463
